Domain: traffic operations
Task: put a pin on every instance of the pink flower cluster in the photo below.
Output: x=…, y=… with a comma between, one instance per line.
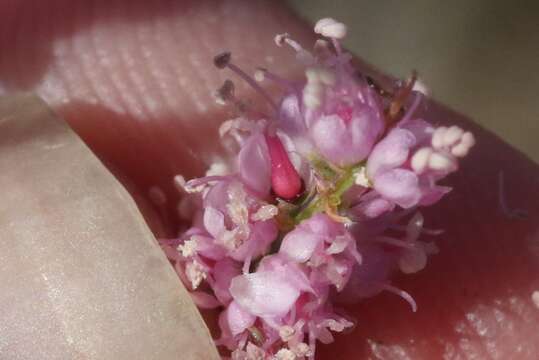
x=316, y=203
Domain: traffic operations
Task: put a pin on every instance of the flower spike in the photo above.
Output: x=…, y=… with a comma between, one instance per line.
x=311, y=206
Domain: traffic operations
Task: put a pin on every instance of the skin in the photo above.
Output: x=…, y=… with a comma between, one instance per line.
x=134, y=79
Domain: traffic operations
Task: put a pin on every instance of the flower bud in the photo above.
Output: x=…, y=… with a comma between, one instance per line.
x=285, y=180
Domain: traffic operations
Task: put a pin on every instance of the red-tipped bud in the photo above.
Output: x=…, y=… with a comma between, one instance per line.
x=285, y=180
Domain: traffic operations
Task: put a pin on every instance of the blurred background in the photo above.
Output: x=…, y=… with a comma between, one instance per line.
x=480, y=57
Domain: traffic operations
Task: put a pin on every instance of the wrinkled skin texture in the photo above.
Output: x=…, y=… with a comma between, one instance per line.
x=133, y=78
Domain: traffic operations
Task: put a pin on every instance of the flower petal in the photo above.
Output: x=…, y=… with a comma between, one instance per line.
x=214, y=221
x=238, y=319
x=204, y=300
x=391, y=152
x=223, y=273
x=299, y=244
x=400, y=186
x=264, y=294
x=262, y=234
x=254, y=164
x=345, y=142
x=433, y=194
x=412, y=260
x=372, y=207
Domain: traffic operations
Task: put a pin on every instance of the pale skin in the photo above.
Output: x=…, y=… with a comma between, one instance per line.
x=134, y=79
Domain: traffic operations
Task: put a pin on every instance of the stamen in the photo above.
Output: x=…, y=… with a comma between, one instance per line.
x=281, y=39
x=331, y=211
x=262, y=74
x=218, y=168
x=320, y=75
x=312, y=95
x=406, y=296
x=321, y=47
x=225, y=93
x=157, y=196
x=330, y=28
x=400, y=98
x=395, y=242
x=317, y=79
x=195, y=272
x=179, y=183
x=421, y=87
x=223, y=60
x=199, y=184
x=301, y=54
x=408, y=115
x=189, y=247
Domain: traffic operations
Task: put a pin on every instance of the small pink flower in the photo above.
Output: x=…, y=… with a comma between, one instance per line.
x=265, y=294
x=346, y=134
x=404, y=171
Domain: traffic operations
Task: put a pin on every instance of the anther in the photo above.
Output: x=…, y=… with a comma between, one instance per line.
x=330, y=28
x=221, y=60
x=225, y=93
x=301, y=54
x=157, y=196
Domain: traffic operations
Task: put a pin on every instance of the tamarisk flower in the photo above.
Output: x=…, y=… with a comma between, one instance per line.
x=314, y=203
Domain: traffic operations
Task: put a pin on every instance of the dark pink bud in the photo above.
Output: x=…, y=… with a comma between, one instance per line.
x=285, y=180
